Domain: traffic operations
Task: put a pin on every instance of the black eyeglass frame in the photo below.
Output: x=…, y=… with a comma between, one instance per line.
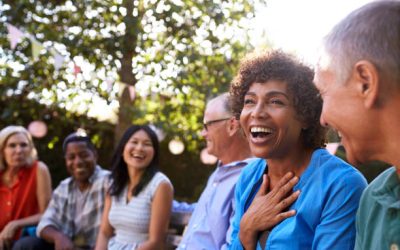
x=206, y=124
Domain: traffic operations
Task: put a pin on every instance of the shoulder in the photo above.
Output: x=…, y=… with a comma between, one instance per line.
x=378, y=185
x=101, y=172
x=42, y=169
x=160, y=182
x=334, y=168
x=100, y=175
x=159, y=178
x=64, y=185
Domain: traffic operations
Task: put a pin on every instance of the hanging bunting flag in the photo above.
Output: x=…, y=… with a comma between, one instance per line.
x=14, y=35
x=110, y=83
x=58, y=59
x=132, y=92
x=36, y=48
x=77, y=70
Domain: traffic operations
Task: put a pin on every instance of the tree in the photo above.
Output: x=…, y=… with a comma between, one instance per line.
x=177, y=53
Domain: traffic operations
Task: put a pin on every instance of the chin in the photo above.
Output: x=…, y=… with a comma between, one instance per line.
x=260, y=154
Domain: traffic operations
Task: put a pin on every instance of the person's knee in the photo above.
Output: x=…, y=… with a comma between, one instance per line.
x=30, y=243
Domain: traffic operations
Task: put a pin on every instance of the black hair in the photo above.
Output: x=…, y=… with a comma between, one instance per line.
x=119, y=169
x=78, y=137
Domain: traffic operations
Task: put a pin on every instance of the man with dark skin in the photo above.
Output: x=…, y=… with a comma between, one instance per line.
x=73, y=216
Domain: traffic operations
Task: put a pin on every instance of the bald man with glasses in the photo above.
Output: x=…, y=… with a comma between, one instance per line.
x=208, y=227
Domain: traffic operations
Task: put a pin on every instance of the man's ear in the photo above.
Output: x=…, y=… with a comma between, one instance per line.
x=367, y=78
x=234, y=126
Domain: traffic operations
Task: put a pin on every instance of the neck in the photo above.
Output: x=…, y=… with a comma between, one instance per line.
x=237, y=151
x=296, y=162
x=134, y=176
x=83, y=185
x=387, y=134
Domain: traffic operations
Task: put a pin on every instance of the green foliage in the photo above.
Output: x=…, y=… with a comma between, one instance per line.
x=59, y=125
x=179, y=54
x=176, y=53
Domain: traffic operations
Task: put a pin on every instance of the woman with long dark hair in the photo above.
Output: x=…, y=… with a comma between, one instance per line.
x=138, y=205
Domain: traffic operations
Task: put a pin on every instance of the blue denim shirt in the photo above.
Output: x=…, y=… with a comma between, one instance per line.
x=326, y=208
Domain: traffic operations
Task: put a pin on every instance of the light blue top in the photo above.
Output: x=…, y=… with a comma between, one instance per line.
x=208, y=227
x=326, y=208
x=378, y=217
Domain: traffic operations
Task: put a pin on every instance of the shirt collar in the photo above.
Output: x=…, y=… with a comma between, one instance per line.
x=387, y=193
x=236, y=163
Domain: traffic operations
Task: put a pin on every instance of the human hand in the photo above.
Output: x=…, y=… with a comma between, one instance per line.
x=7, y=235
x=62, y=242
x=267, y=208
x=5, y=244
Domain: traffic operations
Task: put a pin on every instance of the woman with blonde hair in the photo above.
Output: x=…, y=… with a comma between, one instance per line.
x=25, y=184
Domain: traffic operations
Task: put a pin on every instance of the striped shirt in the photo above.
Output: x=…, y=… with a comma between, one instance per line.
x=63, y=209
x=131, y=220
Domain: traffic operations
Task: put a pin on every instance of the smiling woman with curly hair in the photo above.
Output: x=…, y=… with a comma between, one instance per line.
x=279, y=108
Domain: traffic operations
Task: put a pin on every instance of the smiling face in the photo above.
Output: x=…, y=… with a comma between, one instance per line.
x=80, y=161
x=269, y=121
x=216, y=135
x=138, y=151
x=16, y=150
x=343, y=110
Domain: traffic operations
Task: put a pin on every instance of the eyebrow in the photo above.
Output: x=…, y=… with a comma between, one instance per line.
x=269, y=94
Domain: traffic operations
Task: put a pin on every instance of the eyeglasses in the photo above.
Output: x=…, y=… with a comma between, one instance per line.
x=206, y=124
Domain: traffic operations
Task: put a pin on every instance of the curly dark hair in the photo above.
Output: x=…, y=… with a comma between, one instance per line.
x=279, y=66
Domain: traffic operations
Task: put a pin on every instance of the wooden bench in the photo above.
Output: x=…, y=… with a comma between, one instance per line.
x=177, y=225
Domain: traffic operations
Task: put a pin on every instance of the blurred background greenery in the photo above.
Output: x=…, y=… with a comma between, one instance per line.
x=102, y=65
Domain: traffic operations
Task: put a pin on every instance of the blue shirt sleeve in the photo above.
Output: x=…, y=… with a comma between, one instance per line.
x=183, y=206
x=337, y=227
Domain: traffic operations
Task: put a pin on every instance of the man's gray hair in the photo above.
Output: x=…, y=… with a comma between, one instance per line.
x=370, y=33
x=226, y=100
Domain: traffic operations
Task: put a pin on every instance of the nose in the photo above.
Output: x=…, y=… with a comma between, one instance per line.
x=259, y=111
x=322, y=120
x=18, y=148
x=203, y=133
x=78, y=160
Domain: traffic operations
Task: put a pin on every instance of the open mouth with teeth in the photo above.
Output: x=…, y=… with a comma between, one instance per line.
x=260, y=132
x=138, y=156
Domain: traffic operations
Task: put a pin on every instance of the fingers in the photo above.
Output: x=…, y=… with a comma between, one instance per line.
x=280, y=217
x=289, y=200
x=285, y=186
x=264, y=186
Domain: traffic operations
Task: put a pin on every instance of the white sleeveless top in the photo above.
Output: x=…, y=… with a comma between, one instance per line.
x=131, y=220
